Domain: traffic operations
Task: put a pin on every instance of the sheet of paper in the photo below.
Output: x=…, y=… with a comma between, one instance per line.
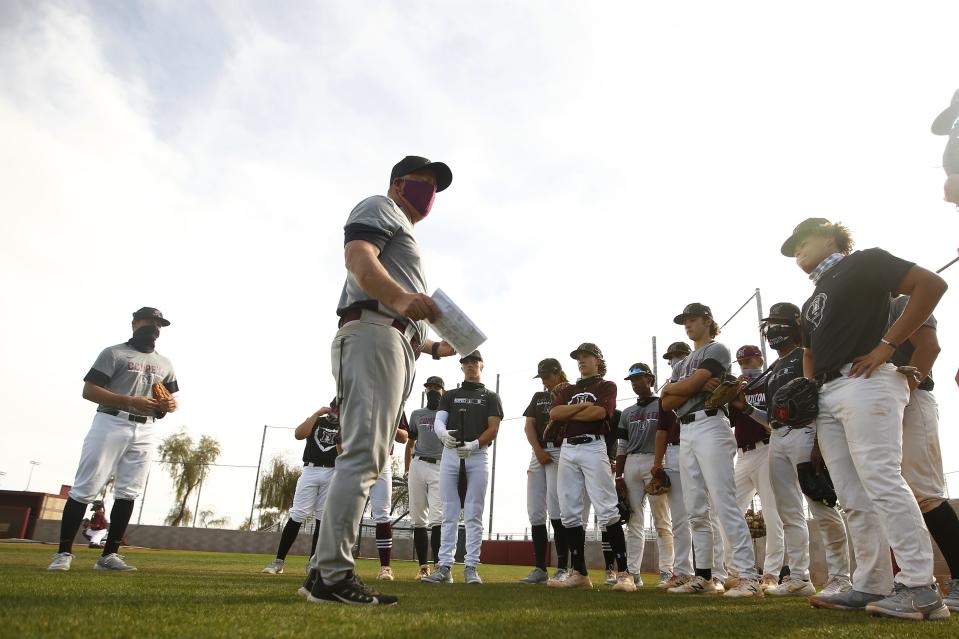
x=455, y=327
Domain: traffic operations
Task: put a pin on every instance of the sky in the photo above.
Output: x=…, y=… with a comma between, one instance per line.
x=612, y=163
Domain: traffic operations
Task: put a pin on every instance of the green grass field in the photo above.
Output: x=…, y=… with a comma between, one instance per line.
x=194, y=594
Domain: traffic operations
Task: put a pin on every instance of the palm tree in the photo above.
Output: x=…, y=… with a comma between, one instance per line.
x=276, y=491
x=188, y=466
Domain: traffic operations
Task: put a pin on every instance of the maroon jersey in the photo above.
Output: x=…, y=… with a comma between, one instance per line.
x=748, y=430
x=669, y=423
x=595, y=390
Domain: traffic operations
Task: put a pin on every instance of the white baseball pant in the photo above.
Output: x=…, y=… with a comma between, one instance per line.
x=752, y=476
x=586, y=466
x=381, y=495
x=860, y=436
x=542, y=500
x=636, y=474
x=95, y=536
x=423, y=484
x=310, y=495
x=114, y=446
x=921, y=453
x=682, y=539
x=477, y=478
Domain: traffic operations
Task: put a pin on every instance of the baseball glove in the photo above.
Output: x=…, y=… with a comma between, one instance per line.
x=160, y=393
x=796, y=404
x=659, y=484
x=554, y=432
x=625, y=512
x=816, y=486
x=724, y=393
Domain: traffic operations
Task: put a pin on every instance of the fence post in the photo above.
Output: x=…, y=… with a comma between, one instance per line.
x=257, y=480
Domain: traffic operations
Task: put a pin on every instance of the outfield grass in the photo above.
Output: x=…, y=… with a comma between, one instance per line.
x=195, y=594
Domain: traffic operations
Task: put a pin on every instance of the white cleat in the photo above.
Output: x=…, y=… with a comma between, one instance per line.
x=719, y=585
x=674, y=581
x=610, y=577
x=695, y=586
x=769, y=581
x=561, y=575
x=61, y=561
x=836, y=585
x=625, y=582
x=744, y=587
x=113, y=563
x=664, y=578
x=275, y=567
x=385, y=574
x=792, y=587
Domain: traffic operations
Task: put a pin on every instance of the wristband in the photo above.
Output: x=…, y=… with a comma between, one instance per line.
x=435, y=350
x=887, y=342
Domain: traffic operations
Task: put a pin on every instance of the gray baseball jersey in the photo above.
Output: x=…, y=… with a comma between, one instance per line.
x=380, y=221
x=713, y=356
x=637, y=427
x=903, y=354
x=124, y=370
x=421, y=430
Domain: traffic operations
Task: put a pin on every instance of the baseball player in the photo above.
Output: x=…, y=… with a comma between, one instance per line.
x=861, y=404
x=586, y=407
x=423, y=453
x=382, y=329
x=752, y=462
x=789, y=447
x=635, y=456
x=381, y=498
x=321, y=430
x=947, y=123
x=97, y=528
x=921, y=454
x=467, y=423
x=122, y=437
x=707, y=448
x=542, y=498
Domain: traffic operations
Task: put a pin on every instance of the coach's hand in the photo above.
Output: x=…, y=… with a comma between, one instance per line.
x=144, y=406
x=417, y=306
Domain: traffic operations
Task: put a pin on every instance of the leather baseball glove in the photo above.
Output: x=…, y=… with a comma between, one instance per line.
x=726, y=392
x=555, y=432
x=815, y=485
x=659, y=484
x=160, y=393
x=796, y=404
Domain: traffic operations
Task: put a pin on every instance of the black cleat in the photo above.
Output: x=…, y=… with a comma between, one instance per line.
x=304, y=590
x=349, y=591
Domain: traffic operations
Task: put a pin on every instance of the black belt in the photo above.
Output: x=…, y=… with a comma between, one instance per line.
x=428, y=460
x=754, y=445
x=140, y=419
x=691, y=417
x=583, y=439
x=824, y=378
x=315, y=465
x=927, y=384
x=353, y=314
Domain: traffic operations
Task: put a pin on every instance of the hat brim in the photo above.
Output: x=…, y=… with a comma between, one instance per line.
x=629, y=377
x=681, y=318
x=442, y=173
x=579, y=350
x=780, y=318
x=788, y=249
x=428, y=384
x=469, y=357
x=669, y=354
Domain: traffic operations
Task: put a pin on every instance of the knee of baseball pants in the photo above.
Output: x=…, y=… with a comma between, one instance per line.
x=380, y=501
x=536, y=493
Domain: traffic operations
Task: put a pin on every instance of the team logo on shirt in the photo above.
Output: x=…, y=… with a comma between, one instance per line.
x=425, y=424
x=325, y=438
x=816, y=310
x=582, y=398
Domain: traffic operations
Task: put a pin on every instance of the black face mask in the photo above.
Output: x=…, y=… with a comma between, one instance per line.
x=144, y=338
x=778, y=335
x=433, y=399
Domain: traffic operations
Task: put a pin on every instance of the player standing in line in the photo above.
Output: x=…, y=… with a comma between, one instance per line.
x=422, y=462
x=467, y=423
x=752, y=463
x=382, y=329
x=861, y=403
x=321, y=430
x=381, y=500
x=707, y=448
x=542, y=499
x=635, y=457
x=98, y=527
x=586, y=407
x=612, y=445
x=122, y=437
x=921, y=453
x=788, y=447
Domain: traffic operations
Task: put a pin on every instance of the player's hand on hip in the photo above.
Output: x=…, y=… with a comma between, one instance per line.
x=448, y=440
x=865, y=365
x=145, y=406
x=543, y=457
x=417, y=306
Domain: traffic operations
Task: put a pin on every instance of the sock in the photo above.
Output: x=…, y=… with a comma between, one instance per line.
x=783, y=573
x=540, y=541
x=384, y=542
x=577, y=548
x=944, y=528
x=608, y=556
x=73, y=513
x=436, y=534
x=421, y=543
x=290, y=531
x=561, y=543
x=316, y=536
x=705, y=573
x=119, y=518
x=617, y=544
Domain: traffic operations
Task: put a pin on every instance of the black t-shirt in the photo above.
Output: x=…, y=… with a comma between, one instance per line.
x=538, y=409
x=479, y=404
x=321, y=442
x=847, y=313
x=784, y=370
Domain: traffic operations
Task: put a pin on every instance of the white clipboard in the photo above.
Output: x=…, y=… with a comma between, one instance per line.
x=455, y=326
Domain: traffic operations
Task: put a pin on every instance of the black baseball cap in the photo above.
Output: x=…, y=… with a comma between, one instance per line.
x=148, y=312
x=412, y=163
x=805, y=228
x=474, y=355
x=639, y=369
x=784, y=312
x=587, y=347
x=435, y=381
x=548, y=366
x=693, y=310
x=677, y=348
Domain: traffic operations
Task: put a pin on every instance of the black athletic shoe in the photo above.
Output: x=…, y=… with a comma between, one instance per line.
x=349, y=591
x=304, y=590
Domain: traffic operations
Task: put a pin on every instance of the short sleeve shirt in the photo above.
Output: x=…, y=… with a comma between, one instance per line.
x=124, y=370
x=747, y=430
x=637, y=427
x=321, y=444
x=421, y=431
x=470, y=406
x=538, y=409
x=714, y=356
x=595, y=390
x=849, y=310
x=903, y=354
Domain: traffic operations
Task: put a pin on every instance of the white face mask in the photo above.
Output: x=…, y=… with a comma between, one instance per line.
x=675, y=360
x=752, y=373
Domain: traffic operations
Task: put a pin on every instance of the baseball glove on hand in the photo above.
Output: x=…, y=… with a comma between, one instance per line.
x=817, y=486
x=796, y=404
x=726, y=392
x=659, y=484
x=161, y=394
x=625, y=512
x=554, y=432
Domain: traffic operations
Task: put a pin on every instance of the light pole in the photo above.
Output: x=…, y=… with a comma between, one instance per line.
x=33, y=464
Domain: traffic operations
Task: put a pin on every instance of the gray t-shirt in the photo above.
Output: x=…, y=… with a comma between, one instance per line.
x=713, y=356
x=381, y=222
x=421, y=431
x=903, y=354
x=637, y=427
x=124, y=370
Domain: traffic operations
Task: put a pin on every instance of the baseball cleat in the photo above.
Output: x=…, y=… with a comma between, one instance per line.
x=637, y=580
x=719, y=585
x=471, y=576
x=695, y=586
x=675, y=580
x=275, y=567
x=845, y=600
x=61, y=561
x=921, y=602
x=424, y=572
x=836, y=585
x=610, y=577
x=745, y=587
x=792, y=587
x=625, y=582
x=561, y=575
x=304, y=590
x=664, y=578
x=952, y=599
x=574, y=579
x=113, y=562
x=350, y=591
x=769, y=581
x=385, y=574
x=441, y=575
x=536, y=576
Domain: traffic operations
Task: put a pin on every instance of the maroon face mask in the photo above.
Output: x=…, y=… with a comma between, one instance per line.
x=420, y=195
